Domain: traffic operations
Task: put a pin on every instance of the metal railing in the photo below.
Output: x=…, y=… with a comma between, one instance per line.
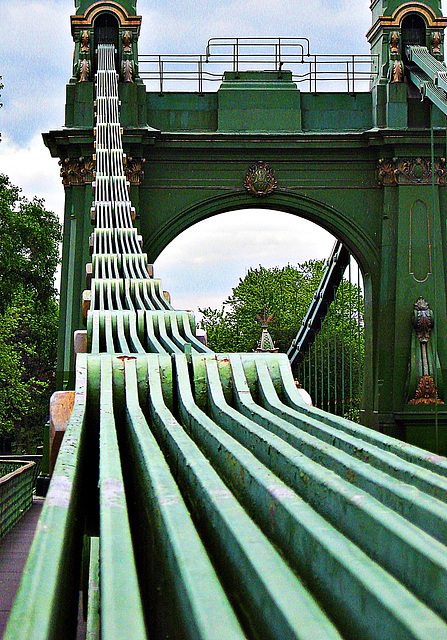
x=312, y=72
x=23, y=458
x=16, y=491
x=327, y=351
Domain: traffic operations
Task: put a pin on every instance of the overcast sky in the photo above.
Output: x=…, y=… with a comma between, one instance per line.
x=202, y=265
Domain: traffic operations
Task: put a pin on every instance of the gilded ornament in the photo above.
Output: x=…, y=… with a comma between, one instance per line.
x=127, y=42
x=422, y=321
x=127, y=68
x=414, y=171
x=397, y=72
x=134, y=170
x=426, y=392
x=394, y=43
x=77, y=171
x=85, y=44
x=386, y=171
x=84, y=70
x=436, y=43
x=260, y=180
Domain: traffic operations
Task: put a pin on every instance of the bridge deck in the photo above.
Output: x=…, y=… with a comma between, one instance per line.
x=14, y=549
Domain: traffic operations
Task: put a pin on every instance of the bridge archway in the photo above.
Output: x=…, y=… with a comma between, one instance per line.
x=327, y=217
x=197, y=280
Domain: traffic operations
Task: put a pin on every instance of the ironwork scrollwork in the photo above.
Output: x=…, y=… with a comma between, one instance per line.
x=396, y=171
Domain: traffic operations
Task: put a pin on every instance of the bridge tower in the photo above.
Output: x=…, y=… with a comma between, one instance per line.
x=369, y=166
x=413, y=218
x=396, y=23
x=113, y=22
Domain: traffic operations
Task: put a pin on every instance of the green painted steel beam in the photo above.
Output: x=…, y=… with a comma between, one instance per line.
x=46, y=605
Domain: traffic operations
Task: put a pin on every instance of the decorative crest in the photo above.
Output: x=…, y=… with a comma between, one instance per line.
x=260, y=180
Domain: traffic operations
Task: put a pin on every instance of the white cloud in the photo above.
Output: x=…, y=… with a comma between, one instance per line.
x=34, y=171
x=35, y=54
x=203, y=264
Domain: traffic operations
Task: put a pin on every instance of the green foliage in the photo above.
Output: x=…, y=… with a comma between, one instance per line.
x=29, y=238
x=332, y=371
x=333, y=375
x=286, y=292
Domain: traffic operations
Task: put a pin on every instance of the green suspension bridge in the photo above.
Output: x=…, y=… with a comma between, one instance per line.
x=194, y=494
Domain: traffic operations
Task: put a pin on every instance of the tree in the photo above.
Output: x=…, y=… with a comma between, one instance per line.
x=29, y=245
x=332, y=370
x=29, y=240
x=286, y=292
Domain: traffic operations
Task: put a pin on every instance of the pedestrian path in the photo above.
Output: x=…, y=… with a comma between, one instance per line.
x=14, y=548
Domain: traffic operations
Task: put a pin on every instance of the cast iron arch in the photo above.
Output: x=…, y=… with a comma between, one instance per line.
x=335, y=222
x=106, y=31
x=413, y=31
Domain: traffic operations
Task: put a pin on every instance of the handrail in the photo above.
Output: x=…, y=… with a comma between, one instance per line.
x=24, y=458
x=16, y=491
x=262, y=54
x=235, y=44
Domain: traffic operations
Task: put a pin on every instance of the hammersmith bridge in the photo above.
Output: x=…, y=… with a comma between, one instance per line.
x=199, y=495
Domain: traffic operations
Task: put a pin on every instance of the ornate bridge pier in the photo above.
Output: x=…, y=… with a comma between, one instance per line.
x=358, y=163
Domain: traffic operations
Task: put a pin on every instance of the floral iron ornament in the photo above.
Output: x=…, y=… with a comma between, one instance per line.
x=423, y=359
x=260, y=180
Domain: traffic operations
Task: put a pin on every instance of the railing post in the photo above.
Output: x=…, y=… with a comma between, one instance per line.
x=160, y=71
x=353, y=74
x=200, y=74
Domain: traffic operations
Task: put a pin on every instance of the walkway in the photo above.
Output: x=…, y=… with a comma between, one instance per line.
x=14, y=548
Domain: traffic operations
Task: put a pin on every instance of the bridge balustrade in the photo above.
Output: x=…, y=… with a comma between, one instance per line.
x=311, y=72
x=16, y=491
x=327, y=353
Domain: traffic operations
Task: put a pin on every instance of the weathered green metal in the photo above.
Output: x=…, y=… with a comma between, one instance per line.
x=323, y=297
x=357, y=164
x=226, y=479
x=219, y=505
x=46, y=604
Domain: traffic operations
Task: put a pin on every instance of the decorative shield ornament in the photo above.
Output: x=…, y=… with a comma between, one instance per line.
x=260, y=180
